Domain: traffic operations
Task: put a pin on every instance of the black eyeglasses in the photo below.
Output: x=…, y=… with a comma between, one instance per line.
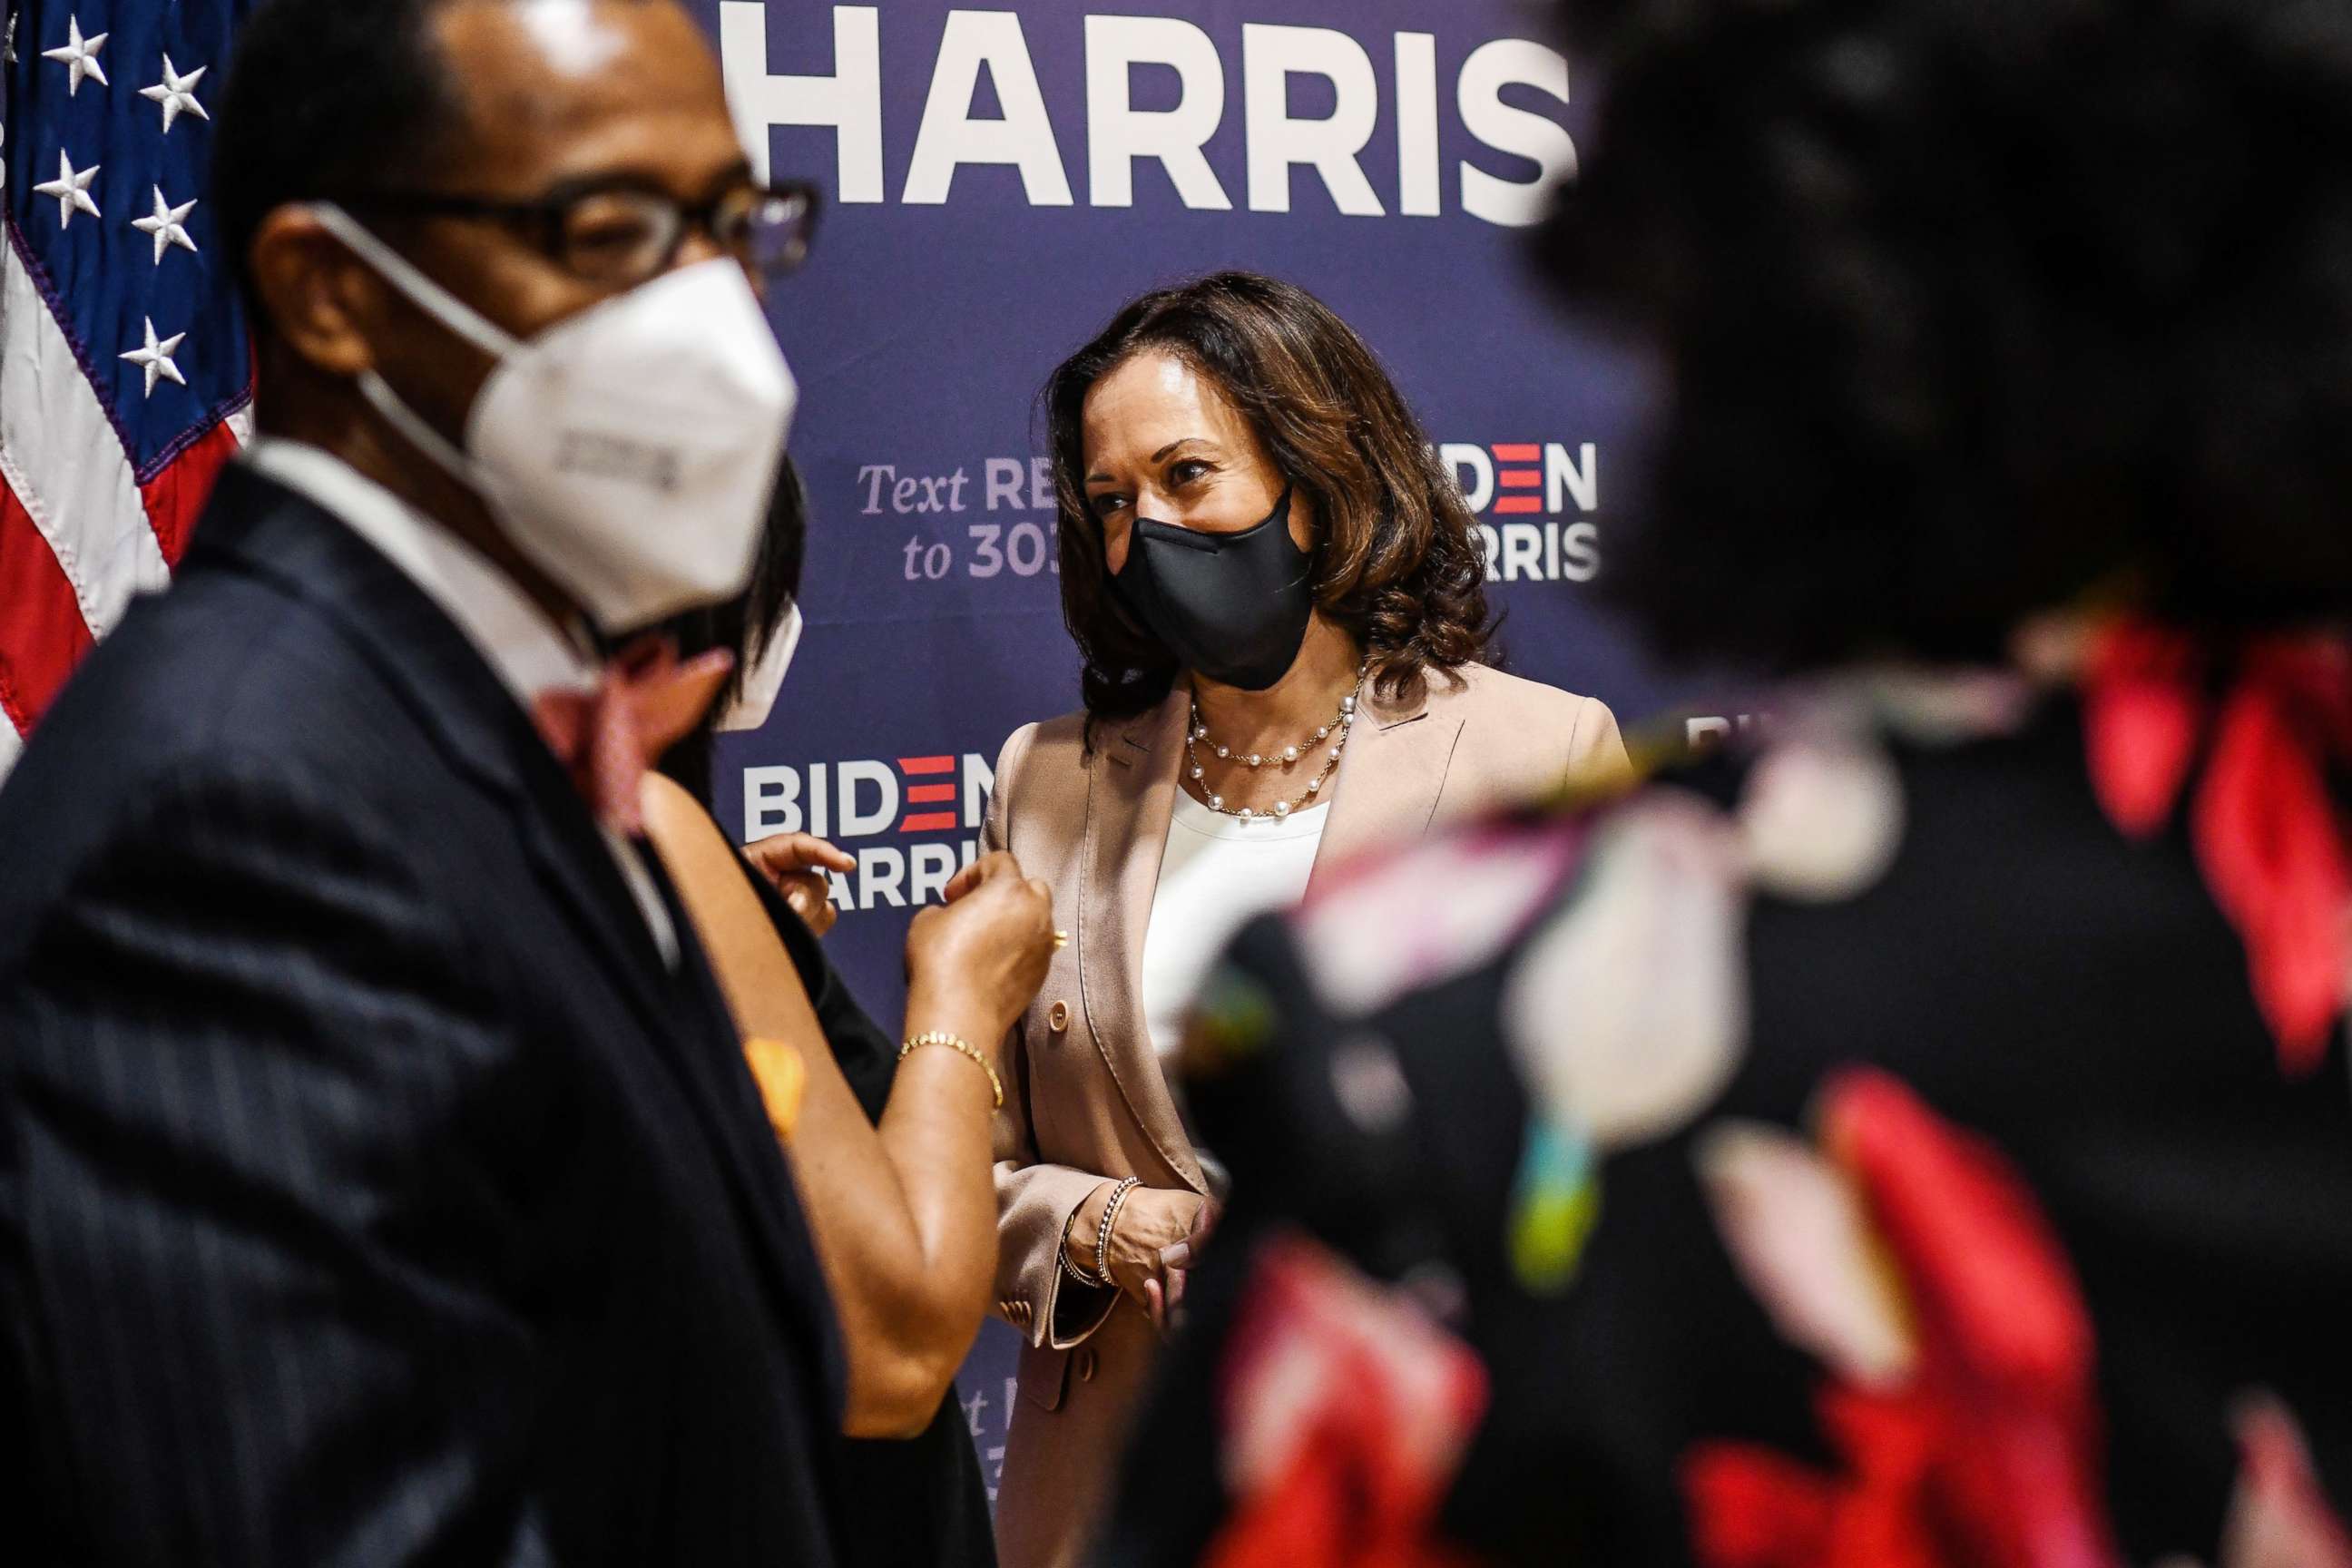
x=626, y=234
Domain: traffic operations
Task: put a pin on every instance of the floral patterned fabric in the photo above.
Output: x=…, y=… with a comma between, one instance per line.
x=1871, y=1150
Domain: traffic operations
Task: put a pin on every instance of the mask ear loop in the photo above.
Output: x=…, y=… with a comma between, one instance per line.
x=412, y=429
x=444, y=307
x=410, y=279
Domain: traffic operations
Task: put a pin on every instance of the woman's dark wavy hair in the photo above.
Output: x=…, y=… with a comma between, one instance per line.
x=1401, y=567
x=1971, y=308
x=743, y=626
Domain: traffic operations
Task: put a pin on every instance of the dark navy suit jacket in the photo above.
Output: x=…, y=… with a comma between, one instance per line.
x=370, y=1191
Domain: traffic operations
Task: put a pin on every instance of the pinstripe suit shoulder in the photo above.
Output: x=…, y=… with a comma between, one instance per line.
x=369, y=1189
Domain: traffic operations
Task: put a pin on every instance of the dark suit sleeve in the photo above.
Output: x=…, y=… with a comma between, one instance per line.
x=263, y=1235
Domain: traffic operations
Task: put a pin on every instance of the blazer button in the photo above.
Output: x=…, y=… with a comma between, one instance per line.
x=1057, y=1017
x=1086, y=1363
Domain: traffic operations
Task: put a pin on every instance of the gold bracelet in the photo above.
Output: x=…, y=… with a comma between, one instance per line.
x=956, y=1043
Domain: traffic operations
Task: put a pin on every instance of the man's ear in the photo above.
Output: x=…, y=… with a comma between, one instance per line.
x=323, y=301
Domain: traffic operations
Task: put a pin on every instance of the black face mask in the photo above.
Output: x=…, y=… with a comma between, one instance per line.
x=1232, y=608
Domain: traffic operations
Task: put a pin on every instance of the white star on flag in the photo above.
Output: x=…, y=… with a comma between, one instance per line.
x=71, y=190
x=155, y=359
x=168, y=225
x=176, y=92
x=80, y=57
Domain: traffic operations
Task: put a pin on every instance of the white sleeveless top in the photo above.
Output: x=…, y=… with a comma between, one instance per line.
x=1216, y=874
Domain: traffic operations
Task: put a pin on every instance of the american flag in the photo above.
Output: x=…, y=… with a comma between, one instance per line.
x=125, y=369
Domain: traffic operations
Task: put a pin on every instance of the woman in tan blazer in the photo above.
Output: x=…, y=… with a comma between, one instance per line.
x=1279, y=599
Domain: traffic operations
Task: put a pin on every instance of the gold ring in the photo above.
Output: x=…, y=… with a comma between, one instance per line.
x=1061, y=940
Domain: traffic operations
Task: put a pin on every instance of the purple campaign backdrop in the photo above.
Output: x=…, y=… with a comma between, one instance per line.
x=998, y=184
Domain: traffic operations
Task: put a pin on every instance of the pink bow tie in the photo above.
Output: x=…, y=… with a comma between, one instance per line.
x=646, y=702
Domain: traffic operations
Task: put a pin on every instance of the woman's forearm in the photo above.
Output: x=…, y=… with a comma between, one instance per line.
x=920, y=1277
x=905, y=1222
x=937, y=1143
x=902, y=1217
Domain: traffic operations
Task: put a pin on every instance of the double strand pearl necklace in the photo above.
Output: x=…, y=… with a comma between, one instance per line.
x=1196, y=734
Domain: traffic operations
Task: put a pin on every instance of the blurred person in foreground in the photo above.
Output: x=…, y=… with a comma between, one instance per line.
x=890, y=1156
x=381, y=1176
x=1925, y=1140
x=1279, y=599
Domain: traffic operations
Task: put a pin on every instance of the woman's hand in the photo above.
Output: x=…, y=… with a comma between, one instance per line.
x=1163, y=1297
x=796, y=864
x=1151, y=1242
x=983, y=956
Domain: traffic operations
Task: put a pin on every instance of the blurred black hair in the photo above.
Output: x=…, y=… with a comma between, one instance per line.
x=742, y=626
x=326, y=98
x=1969, y=307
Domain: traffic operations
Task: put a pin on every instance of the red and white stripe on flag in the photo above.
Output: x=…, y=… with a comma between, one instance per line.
x=78, y=534
x=124, y=364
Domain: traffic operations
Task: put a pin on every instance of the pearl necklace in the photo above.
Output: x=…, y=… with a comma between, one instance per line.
x=1196, y=733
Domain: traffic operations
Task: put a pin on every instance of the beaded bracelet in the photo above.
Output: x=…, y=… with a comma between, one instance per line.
x=956, y=1043
x=1110, y=1218
x=1074, y=1270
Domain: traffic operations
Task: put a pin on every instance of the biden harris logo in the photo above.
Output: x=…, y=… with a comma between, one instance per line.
x=1536, y=502
x=910, y=822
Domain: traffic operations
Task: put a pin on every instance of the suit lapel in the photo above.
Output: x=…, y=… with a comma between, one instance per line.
x=454, y=695
x=1130, y=800
x=254, y=524
x=1389, y=779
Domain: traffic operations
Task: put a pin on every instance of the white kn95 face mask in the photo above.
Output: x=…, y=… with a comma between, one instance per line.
x=628, y=451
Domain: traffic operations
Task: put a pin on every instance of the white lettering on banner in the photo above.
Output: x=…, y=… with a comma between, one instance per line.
x=1564, y=477
x=1509, y=485
x=1271, y=55
x=994, y=1452
x=1550, y=552
x=853, y=821
x=912, y=494
x=1494, y=66
x=1417, y=164
x=848, y=102
x=912, y=798
x=1004, y=483
x=1460, y=455
x=1021, y=548
x=1024, y=547
x=1117, y=133
x=1024, y=137
x=935, y=866
x=1567, y=476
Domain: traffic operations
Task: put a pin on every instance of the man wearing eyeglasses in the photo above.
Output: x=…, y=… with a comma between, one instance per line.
x=380, y=1177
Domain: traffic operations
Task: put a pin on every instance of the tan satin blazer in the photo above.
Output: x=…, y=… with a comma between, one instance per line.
x=1085, y=1102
